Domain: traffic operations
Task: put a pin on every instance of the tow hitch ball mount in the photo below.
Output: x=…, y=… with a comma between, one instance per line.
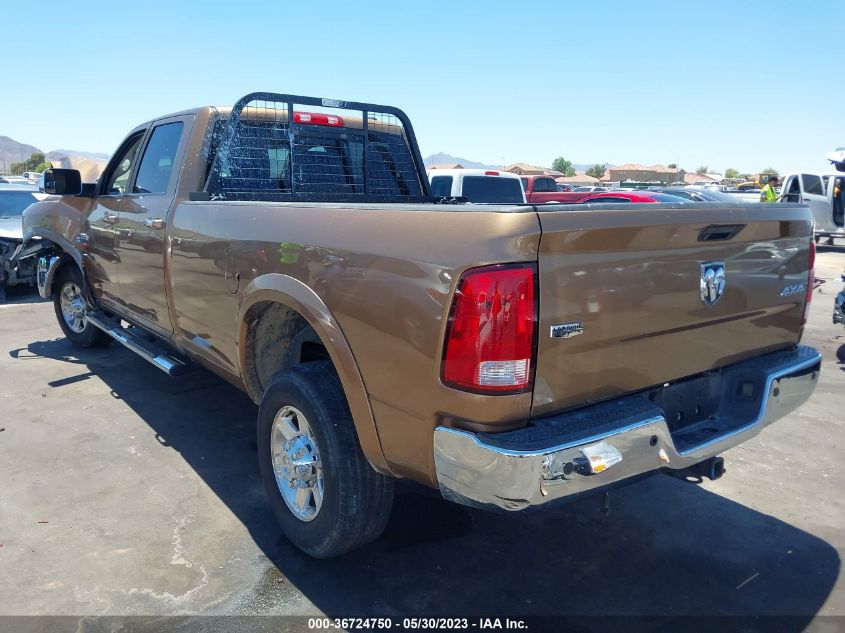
x=712, y=469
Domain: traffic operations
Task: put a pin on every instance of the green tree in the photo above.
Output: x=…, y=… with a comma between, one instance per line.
x=596, y=171
x=702, y=170
x=35, y=162
x=770, y=170
x=730, y=172
x=672, y=165
x=563, y=166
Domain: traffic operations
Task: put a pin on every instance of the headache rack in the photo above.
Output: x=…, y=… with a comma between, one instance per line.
x=277, y=147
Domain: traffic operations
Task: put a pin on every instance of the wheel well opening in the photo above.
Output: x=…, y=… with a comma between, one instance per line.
x=277, y=337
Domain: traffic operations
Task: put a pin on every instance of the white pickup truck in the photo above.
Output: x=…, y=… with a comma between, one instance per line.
x=824, y=193
x=483, y=186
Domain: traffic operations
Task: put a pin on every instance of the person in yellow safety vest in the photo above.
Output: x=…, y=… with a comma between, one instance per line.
x=768, y=193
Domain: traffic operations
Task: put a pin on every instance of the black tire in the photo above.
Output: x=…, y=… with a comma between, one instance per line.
x=356, y=500
x=90, y=336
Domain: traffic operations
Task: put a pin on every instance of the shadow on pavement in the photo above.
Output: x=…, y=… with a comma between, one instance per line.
x=666, y=548
x=19, y=295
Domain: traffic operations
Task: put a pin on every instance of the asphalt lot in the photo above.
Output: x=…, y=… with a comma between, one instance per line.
x=125, y=492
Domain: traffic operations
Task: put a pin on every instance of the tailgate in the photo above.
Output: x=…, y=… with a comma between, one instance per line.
x=630, y=278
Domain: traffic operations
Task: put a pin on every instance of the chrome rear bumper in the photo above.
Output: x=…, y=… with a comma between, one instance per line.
x=595, y=447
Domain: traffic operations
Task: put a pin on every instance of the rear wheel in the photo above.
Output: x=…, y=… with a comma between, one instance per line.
x=324, y=494
x=71, y=308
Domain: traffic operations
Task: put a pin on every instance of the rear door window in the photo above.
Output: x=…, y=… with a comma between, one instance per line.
x=544, y=185
x=441, y=186
x=159, y=158
x=492, y=189
x=812, y=184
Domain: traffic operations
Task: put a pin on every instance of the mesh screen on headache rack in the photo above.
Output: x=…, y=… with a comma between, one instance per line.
x=326, y=151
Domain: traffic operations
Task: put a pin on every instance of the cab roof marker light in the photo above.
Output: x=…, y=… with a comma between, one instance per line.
x=317, y=118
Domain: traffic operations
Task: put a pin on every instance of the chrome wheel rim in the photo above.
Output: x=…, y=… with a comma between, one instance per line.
x=296, y=463
x=73, y=307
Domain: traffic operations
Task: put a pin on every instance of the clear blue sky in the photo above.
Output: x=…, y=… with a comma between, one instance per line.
x=724, y=84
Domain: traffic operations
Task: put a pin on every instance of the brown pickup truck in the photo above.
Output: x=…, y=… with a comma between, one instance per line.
x=511, y=356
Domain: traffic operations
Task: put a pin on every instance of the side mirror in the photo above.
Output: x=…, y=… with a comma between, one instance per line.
x=61, y=182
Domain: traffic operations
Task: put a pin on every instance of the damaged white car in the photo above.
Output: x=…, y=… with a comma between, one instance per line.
x=16, y=267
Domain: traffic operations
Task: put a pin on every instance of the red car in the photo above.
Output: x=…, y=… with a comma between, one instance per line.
x=630, y=196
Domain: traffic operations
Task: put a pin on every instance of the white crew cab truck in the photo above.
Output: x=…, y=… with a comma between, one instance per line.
x=824, y=193
x=485, y=186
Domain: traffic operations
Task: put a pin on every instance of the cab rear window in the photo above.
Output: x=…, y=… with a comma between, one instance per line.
x=275, y=148
x=492, y=189
x=441, y=186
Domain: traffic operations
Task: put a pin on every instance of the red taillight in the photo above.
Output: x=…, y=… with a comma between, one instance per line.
x=316, y=118
x=490, y=335
x=811, y=279
x=491, y=173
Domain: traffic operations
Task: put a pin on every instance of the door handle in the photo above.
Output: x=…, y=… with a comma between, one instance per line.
x=110, y=218
x=154, y=223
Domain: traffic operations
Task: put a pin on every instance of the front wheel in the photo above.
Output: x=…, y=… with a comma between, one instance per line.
x=71, y=308
x=324, y=494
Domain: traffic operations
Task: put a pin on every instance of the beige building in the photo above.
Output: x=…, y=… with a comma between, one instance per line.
x=693, y=178
x=89, y=168
x=580, y=179
x=447, y=166
x=524, y=169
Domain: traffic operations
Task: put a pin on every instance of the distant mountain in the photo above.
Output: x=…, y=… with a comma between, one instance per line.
x=13, y=152
x=58, y=154
x=442, y=159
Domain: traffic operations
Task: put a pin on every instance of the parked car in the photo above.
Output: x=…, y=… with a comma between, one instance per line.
x=14, y=199
x=824, y=193
x=543, y=189
x=746, y=195
x=698, y=194
x=511, y=356
x=489, y=186
x=629, y=196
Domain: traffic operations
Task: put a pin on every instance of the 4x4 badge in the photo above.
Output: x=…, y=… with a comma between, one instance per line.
x=713, y=280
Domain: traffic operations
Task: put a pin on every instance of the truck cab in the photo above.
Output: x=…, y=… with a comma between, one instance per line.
x=543, y=190
x=824, y=193
x=484, y=186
